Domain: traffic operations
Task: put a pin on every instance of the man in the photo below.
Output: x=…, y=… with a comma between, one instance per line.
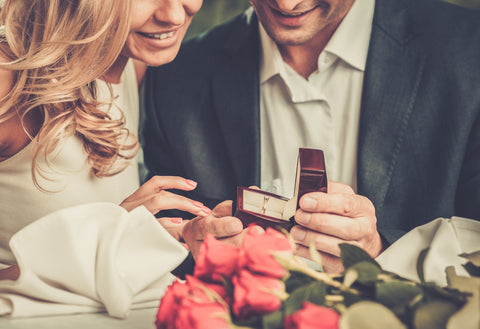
x=389, y=90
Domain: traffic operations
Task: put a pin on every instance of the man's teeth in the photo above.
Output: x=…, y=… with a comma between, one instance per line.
x=159, y=36
x=292, y=14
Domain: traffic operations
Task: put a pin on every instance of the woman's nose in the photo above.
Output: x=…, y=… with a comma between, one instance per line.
x=170, y=12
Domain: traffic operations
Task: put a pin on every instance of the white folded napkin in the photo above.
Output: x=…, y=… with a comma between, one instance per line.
x=447, y=238
x=90, y=258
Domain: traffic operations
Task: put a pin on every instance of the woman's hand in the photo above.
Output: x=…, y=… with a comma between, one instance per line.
x=154, y=196
x=174, y=226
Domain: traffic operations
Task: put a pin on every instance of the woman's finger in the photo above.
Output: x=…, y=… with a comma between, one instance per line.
x=173, y=225
x=158, y=183
x=165, y=200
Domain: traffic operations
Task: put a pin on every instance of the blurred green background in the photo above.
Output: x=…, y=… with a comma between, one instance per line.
x=214, y=12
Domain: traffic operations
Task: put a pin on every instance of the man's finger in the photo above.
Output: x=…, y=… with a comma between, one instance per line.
x=345, y=228
x=321, y=242
x=330, y=263
x=349, y=205
x=218, y=227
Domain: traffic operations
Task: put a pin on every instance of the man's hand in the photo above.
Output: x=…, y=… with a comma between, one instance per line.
x=219, y=223
x=339, y=216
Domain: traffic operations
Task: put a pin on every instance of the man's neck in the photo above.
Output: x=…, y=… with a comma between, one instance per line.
x=304, y=58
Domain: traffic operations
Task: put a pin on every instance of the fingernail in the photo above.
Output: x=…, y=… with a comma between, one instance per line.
x=303, y=217
x=309, y=203
x=198, y=204
x=176, y=220
x=257, y=229
x=191, y=182
x=298, y=234
x=235, y=227
x=206, y=210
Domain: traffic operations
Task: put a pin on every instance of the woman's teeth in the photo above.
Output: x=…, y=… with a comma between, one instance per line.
x=159, y=36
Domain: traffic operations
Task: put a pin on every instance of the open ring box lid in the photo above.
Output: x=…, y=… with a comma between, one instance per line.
x=271, y=210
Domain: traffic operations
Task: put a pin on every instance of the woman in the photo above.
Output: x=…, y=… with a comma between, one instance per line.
x=62, y=140
x=69, y=73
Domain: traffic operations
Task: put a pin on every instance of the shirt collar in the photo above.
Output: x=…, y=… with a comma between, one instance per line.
x=271, y=62
x=350, y=41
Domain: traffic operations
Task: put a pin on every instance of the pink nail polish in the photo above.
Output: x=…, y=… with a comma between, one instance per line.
x=191, y=182
x=176, y=220
x=197, y=204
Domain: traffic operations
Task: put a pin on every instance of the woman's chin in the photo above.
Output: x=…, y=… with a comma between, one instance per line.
x=158, y=59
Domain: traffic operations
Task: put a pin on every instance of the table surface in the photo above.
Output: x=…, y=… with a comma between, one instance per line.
x=138, y=319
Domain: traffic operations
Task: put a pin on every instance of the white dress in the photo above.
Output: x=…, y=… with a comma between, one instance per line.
x=78, y=251
x=21, y=202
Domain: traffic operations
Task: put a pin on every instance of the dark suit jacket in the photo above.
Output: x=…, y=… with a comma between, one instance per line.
x=419, y=141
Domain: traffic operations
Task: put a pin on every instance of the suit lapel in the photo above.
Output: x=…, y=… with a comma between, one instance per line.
x=393, y=73
x=236, y=100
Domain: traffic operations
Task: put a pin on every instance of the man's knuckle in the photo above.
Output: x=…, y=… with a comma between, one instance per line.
x=349, y=205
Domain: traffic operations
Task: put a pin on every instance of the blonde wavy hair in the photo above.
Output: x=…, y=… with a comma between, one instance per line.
x=57, y=49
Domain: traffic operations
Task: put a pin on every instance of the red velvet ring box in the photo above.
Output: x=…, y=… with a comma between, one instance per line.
x=271, y=210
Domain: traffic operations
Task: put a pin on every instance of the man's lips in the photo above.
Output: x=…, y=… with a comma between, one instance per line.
x=293, y=13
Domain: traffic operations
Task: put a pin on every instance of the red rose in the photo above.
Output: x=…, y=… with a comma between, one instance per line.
x=215, y=260
x=187, y=305
x=312, y=316
x=256, y=252
x=169, y=304
x=194, y=314
x=254, y=294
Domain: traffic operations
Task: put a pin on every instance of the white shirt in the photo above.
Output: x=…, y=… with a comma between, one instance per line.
x=321, y=112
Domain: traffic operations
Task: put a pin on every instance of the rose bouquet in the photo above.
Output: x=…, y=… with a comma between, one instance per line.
x=264, y=285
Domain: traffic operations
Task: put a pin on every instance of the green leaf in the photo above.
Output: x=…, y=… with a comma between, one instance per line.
x=351, y=255
x=434, y=314
x=367, y=271
x=350, y=299
x=431, y=292
x=314, y=292
x=420, y=264
x=273, y=320
x=296, y=280
x=395, y=293
x=369, y=315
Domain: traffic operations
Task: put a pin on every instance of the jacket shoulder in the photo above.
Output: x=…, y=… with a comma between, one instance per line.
x=204, y=50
